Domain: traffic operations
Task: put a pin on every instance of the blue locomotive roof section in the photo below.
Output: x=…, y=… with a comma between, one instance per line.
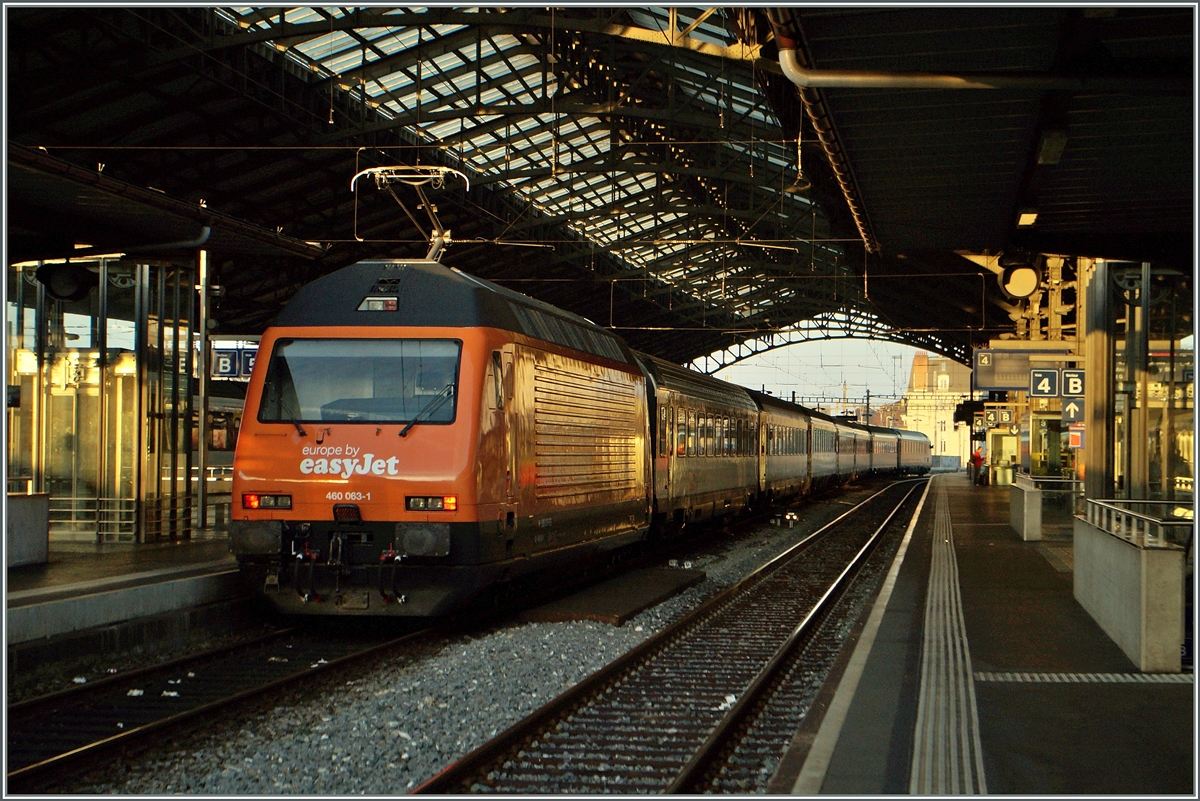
x=430, y=294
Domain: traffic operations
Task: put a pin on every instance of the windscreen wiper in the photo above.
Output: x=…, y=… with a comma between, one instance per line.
x=432, y=406
x=292, y=419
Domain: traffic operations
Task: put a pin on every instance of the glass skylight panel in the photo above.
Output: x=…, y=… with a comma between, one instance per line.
x=710, y=31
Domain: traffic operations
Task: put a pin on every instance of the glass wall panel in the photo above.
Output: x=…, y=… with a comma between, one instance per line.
x=24, y=401
x=118, y=502
x=99, y=400
x=1154, y=387
x=71, y=399
x=166, y=398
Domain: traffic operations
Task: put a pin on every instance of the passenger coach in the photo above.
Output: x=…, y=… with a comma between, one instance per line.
x=705, y=444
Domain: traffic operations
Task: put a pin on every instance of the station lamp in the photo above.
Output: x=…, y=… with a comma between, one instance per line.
x=1019, y=278
x=67, y=281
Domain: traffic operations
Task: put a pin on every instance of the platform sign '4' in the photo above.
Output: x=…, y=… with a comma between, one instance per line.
x=1043, y=383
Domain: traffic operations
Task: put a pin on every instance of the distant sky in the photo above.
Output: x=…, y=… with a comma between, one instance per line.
x=819, y=368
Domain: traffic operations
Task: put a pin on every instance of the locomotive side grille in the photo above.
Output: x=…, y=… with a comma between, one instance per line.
x=586, y=432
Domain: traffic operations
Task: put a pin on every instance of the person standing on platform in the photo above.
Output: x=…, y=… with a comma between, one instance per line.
x=976, y=463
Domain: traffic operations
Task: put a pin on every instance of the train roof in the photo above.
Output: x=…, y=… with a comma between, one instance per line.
x=882, y=430
x=420, y=292
x=765, y=401
x=668, y=375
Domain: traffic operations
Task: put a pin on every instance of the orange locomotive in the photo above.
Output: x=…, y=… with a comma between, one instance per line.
x=414, y=435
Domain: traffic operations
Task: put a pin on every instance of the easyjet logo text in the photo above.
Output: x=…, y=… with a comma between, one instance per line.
x=367, y=465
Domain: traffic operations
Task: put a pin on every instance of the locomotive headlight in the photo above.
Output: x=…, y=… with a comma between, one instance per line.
x=432, y=503
x=253, y=500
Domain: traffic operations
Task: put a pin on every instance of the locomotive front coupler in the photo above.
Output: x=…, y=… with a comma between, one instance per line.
x=394, y=558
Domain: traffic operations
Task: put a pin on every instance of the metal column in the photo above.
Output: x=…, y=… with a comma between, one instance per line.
x=202, y=446
x=1101, y=392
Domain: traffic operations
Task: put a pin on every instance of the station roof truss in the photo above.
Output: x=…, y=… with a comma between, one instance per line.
x=648, y=168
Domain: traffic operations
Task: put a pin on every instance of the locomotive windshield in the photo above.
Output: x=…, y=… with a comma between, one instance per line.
x=361, y=381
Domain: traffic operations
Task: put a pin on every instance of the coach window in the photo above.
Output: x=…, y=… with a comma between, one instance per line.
x=706, y=423
x=663, y=422
x=691, y=434
x=680, y=433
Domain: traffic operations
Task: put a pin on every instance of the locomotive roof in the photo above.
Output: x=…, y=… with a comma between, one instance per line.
x=428, y=293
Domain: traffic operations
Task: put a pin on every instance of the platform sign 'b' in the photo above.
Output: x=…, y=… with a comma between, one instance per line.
x=1072, y=383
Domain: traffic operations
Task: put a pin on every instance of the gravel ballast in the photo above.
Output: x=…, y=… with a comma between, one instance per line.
x=386, y=727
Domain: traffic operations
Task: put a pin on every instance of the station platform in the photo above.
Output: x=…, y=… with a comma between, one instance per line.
x=977, y=671
x=97, y=588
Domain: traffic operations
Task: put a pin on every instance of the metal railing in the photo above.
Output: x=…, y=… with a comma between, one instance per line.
x=214, y=472
x=1053, y=483
x=106, y=519
x=1062, y=498
x=1146, y=524
x=20, y=484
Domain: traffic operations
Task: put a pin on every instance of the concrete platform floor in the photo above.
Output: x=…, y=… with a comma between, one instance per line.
x=72, y=563
x=1053, y=704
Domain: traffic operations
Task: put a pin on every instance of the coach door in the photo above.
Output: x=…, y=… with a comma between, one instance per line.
x=665, y=462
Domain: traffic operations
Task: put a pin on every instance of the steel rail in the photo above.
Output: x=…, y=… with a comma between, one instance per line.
x=71, y=760
x=695, y=770
x=68, y=694
x=454, y=777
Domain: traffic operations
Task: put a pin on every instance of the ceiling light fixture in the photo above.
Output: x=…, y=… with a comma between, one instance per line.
x=801, y=183
x=1050, y=148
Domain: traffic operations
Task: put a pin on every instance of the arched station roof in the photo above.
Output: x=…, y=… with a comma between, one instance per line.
x=649, y=168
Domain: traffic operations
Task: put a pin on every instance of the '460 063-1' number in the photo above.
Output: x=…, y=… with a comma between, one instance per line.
x=348, y=496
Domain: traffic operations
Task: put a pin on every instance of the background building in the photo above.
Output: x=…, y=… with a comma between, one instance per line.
x=936, y=386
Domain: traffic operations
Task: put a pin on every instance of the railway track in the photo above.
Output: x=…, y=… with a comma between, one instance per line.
x=64, y=733
x=720, y=693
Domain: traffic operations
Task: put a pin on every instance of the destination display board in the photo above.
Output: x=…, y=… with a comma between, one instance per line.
x=1007, y=369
